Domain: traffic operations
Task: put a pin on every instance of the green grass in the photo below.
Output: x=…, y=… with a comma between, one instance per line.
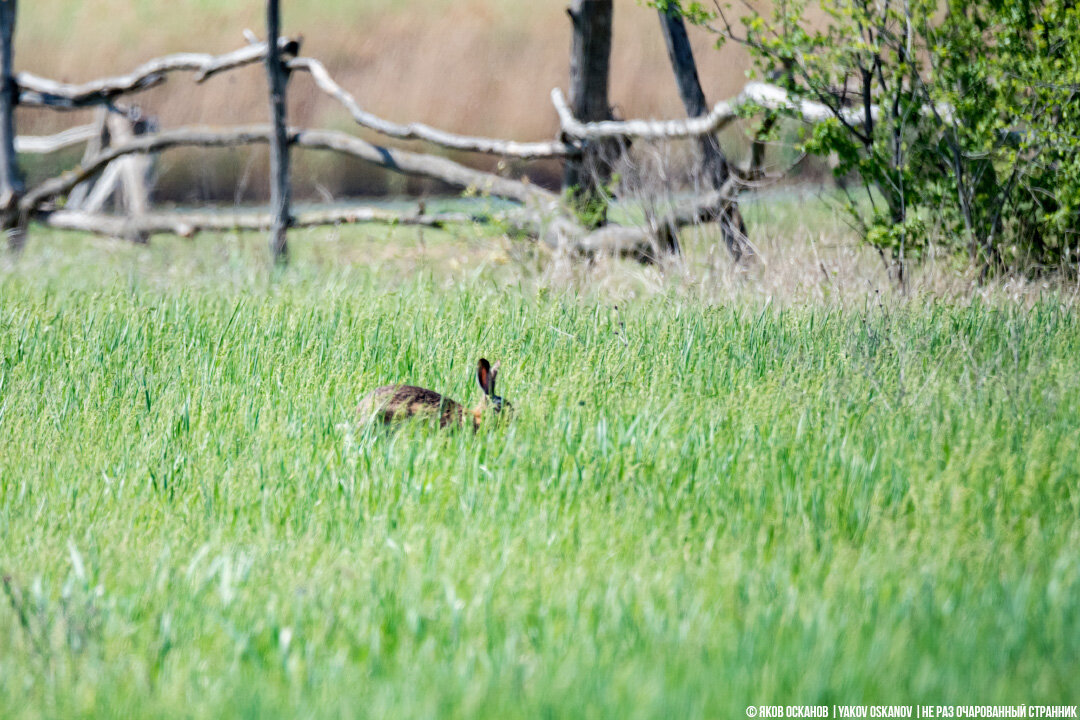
x=697, y=507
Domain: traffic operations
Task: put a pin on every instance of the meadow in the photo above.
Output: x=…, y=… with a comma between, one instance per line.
x=712, y=494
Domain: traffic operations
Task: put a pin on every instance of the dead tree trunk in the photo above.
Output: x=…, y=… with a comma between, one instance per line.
x=80, y=194
x=278, y=76
x=590, y=63
x=11, y=186
x=133, y=196
x=714, y=163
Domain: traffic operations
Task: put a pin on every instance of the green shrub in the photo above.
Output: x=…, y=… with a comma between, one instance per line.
x=960, y=119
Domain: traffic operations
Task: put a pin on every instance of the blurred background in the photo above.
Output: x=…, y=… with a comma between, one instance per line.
x=482, y=67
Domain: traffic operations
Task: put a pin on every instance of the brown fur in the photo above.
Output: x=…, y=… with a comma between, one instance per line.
x=398, y=402
x=390, y=403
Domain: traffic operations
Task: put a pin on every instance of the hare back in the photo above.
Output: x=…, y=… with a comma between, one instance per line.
x=398, y=402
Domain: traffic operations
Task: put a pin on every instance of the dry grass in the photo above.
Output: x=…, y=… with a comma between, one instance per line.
x=807, y=256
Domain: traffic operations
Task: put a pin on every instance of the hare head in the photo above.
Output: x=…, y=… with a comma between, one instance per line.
x=486, y=374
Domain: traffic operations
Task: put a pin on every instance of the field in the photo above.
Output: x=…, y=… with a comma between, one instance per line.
x=712, y=494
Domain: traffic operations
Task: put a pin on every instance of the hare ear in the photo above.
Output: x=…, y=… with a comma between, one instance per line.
x=494, y=377
x=483, y=375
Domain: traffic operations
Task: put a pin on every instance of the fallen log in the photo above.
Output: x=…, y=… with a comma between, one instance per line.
x=187, y=225
x=557, y=230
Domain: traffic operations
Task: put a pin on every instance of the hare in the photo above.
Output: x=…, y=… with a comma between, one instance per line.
x=398, y=402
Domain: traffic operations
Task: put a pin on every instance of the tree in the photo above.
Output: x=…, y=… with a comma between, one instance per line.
x=713, y=161
x=11, y=186
x=278, y=77
x=960, y=120
x=586, y=176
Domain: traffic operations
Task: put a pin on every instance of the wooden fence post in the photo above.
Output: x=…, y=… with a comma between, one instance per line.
x=714, y=163
x=590, y=64
x=278, y=76
x=11, y=186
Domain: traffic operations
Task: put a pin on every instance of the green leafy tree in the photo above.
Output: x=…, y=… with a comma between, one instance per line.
x=961, y=120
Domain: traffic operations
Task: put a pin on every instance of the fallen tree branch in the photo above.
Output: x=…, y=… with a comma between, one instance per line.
x=35, y=90
x=419, y=131
x=403, y=161
x=42, y=144
x=647, y=243
x=190, y=224
x=559, y=233
x=422, y=164
x=557, y=230
x=755, y=94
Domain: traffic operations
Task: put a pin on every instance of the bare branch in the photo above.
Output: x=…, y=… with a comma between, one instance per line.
x=550, y=226
x=43, y=144
x=34, y=90
x=419, y=131
x=403, y=161
x=755, y=94
x=413, y=163
x=190, y=224
x=720, y=116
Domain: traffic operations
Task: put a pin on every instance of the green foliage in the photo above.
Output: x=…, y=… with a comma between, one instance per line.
x=975, y=122
x=694, y=11
x=696, y=507
x=590, y=205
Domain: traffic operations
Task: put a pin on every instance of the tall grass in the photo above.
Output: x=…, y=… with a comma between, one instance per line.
x=698, y=505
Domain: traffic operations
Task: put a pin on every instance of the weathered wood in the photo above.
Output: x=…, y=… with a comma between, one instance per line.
x=403, y=161
x=590, y=62
x=34, y=90
x=100, y=190
x=754, y=94
x=45, y=144
x=80, y=195
x=133, y=195
x=425, y=165
x=713, y=162
x=11, y=184
x=280, y=188
x=649, y=244
x=557, y=231
x=42, y=91
x=190, y=224
x=418, y=131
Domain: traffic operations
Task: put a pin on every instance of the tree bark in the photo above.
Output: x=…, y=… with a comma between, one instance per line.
x=590, y=64
x=714, y=164
x=401, y=161
x=278, y=77
x=132, y=192
x=11, y=185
